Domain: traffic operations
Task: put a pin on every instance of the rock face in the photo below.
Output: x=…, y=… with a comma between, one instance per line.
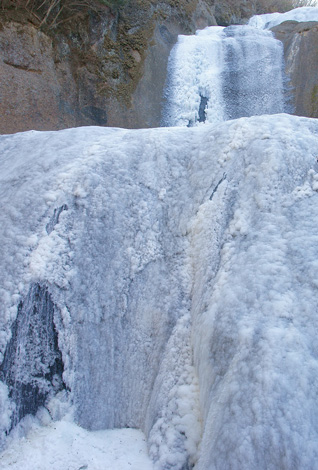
x=102, y=69
x=300, y=49
x=32, y=95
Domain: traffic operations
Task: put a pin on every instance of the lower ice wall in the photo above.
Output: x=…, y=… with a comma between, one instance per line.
x=179, y=271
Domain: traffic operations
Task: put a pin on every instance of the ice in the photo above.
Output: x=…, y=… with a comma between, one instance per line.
x=164, y=281
x=223, y=73
x=194, y=79
x=226, y=73
x=270, y=20
x=183, y=276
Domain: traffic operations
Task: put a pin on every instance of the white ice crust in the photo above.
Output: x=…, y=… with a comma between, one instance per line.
x=269, y=20
x=185, y=275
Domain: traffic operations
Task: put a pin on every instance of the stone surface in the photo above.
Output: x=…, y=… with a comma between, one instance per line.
x=39, y=89
x=29, y=93
x=300, y=49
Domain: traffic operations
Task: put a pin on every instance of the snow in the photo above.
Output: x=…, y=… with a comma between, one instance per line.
x=64, y=445
x=270, y=20
x=184, y=277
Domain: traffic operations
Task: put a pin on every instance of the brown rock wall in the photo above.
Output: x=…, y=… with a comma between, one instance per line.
x=301, y=52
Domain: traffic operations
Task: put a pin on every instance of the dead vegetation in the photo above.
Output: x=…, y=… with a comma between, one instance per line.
x=52, y=13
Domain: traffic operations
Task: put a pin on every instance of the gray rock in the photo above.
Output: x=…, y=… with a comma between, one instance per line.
x=300, y=50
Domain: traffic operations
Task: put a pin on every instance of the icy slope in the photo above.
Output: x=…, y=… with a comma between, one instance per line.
x=181, y=266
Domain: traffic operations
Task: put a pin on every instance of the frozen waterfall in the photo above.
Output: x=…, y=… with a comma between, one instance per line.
x=164, y=281
x=178, y=271
x=224, y=73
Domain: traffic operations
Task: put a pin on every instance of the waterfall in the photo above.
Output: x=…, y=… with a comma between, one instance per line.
x=166, y=279
x=224, y=73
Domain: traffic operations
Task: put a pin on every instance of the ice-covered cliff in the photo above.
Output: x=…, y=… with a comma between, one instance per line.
x=180, y=271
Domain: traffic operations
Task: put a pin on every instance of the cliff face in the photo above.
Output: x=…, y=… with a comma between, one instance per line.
x=104, y=68
x=108, y=68
x=300, y=49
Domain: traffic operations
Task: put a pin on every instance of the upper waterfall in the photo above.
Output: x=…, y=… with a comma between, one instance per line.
x=224, y=73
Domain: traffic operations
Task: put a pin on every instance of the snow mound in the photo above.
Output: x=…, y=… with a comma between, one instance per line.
x=64, y=445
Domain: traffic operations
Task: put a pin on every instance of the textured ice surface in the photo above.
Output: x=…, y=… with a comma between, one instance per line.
x=184, y=274
x=64, y=446
x=270, y=20
x=224, y=73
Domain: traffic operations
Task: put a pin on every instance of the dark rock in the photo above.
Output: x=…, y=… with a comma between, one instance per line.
x=32, y=366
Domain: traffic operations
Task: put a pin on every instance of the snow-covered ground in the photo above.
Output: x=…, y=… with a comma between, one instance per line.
x=63, y=445
x=193, y=253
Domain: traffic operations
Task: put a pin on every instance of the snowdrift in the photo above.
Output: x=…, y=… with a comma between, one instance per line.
x=166, y=280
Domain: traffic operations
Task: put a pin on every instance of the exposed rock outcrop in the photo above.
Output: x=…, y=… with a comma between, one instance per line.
x=104, y=68
x=300, y=49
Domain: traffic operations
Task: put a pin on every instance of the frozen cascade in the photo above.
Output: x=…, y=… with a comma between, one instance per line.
x=224, y=73
x=166, y=279
x=181, y=264
x=252, y=76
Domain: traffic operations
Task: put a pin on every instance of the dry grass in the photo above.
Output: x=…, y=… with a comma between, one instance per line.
x=51, y=13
